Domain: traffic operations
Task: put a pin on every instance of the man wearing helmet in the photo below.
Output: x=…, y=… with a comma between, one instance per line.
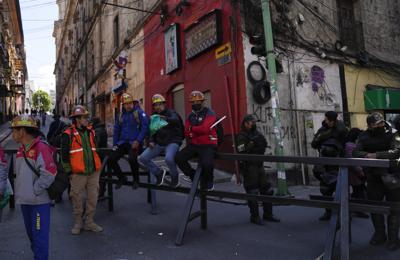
x=201, y=140
x=80, y=159
x=130, y=130
x=35, y=172
x=168, y=138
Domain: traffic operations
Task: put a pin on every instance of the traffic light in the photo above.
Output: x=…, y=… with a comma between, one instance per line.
x=258, y=42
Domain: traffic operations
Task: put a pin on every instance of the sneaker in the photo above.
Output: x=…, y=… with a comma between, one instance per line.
x=76, y=229
x=175, y=182
x=210, y=186
x=93, y=227
x=160, y=177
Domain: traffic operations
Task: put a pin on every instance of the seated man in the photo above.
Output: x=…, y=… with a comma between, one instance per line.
x=168, y=139
x=130, y=130
x=201, y=140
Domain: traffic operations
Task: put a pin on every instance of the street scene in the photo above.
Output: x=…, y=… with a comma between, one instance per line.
x=182, y=129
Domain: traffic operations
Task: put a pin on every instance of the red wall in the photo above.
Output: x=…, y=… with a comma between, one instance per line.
x=202, y=72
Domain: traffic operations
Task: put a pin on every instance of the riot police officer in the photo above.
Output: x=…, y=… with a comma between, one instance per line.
x=378, y=142
x=251, y=141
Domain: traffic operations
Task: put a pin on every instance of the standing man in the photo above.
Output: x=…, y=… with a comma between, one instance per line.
x=168, y=138
x=56, y=128
x=329, y=141
x=130, y=130
x=35, y=170
x=201, y=140
x=378, y=142
x=251, y=141
x=80, y=159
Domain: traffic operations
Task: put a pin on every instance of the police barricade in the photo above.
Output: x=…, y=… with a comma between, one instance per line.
x=341, y=205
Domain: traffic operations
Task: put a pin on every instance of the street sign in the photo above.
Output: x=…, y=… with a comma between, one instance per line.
x=223, y=51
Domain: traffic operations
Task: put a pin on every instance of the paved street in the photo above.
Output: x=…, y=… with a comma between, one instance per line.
x=131, y=232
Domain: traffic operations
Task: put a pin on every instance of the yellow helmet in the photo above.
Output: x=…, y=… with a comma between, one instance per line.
x=126, y=99
x=196, y=96
x=157, y=98
x=24, y=121
x=79, y=111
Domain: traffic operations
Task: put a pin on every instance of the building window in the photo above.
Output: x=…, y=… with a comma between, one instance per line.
x=116, y=32
x=351, y=33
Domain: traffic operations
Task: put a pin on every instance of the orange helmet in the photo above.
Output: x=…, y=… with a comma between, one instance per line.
x=24, y=121
x=157, y=98
x=79, y=111
x=196, y=96
x=126, y=98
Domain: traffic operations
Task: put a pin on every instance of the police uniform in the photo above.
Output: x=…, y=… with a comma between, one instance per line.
x=251, y=141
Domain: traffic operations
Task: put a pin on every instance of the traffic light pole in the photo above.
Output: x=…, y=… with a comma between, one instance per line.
x=276, y=113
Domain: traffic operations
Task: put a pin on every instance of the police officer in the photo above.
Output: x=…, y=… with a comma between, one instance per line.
x=329, y=141
x=251, y=141
x=378, y=142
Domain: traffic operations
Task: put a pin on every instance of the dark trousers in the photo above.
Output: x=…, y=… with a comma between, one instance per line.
x=378, y=191
x=255, y=182
x=206, y=155
x=133, y=162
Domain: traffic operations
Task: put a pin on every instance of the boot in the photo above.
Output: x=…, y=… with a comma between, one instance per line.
x=76, y=229
x=254, y=213
x=91, y=226
x=379, y=236
x=393, y=243
x=268, y=215
x=327, y=215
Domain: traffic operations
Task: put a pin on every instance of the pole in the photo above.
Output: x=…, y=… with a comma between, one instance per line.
x=276, y=113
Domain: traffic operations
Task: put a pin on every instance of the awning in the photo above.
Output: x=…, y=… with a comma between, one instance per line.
x=382, y=99
x=120, y=88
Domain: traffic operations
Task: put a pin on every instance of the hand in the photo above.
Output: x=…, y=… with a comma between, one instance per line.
x=152, y=144
x=135, y=145
x=371, y=156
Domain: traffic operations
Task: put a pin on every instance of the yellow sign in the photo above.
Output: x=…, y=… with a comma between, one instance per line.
x=223, y=51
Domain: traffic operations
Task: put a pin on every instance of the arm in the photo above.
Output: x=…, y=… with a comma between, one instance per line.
x=65, y=148
x=173, y=118
x=358, y=151
x=393, y=152
x=117, y=131
x=204, y=128
x=144, y=128
x=321, y=136
x=47, y=170
x=242, y=144
x=3, y=172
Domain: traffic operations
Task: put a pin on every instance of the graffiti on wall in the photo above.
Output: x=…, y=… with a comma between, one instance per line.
x=265, y=125
x=315, y=78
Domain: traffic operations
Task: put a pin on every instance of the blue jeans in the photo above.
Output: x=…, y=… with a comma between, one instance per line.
x=170, y=150
x=37, y=225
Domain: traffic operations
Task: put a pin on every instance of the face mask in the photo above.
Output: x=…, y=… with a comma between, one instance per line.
x=196, y=107
x=253, y=127
x=378, y=130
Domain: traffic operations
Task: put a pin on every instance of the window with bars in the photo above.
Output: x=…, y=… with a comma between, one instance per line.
x=351, y=31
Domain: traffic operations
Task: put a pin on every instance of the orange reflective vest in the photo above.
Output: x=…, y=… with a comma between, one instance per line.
x=76, y=151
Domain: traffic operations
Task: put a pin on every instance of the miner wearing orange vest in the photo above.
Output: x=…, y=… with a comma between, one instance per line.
x=79, y=157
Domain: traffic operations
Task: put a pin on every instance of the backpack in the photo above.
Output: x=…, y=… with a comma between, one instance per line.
x=61, y=181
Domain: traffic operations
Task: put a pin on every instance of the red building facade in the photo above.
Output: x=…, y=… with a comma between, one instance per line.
x=199, y=47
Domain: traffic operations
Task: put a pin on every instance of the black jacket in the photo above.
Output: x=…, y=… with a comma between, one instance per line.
x=336, y=135
x=386, y=146
x=171, y=133
x=251, y=142
x=56, y=128
x=101, y=136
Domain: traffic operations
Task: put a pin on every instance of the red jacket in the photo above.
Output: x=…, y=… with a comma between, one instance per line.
x=197, y=128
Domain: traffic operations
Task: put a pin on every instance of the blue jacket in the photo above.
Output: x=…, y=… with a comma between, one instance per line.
x=128, y=130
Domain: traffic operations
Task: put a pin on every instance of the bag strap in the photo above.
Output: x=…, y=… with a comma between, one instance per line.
x=31, y=166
